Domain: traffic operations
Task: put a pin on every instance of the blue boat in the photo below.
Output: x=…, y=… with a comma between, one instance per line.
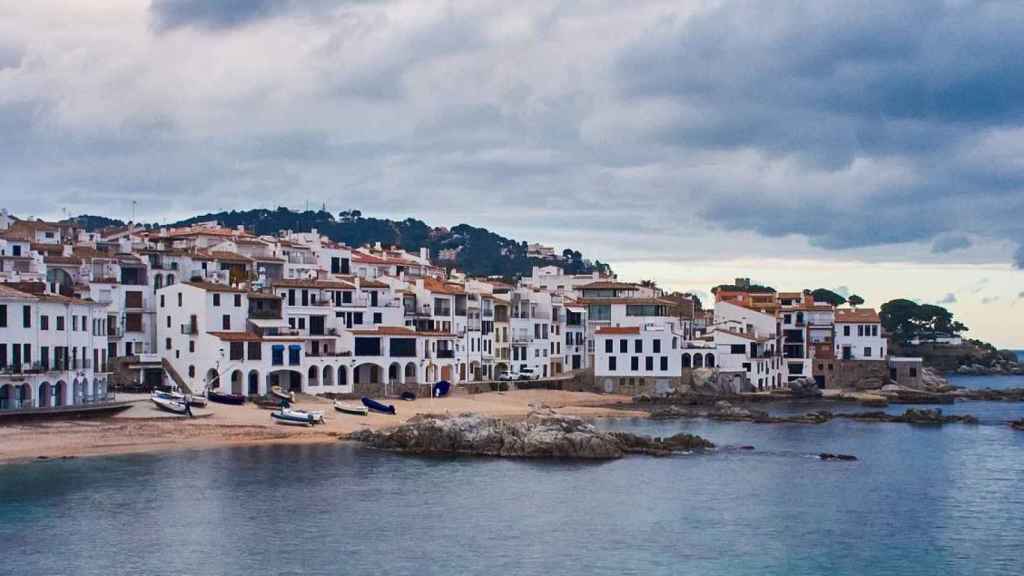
x=378, y=407
x=409, y=396
x=442, y=388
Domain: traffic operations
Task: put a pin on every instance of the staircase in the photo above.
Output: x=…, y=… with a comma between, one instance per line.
x=169, y=368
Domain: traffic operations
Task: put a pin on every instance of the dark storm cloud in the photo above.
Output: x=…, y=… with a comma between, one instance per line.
x=821, y=124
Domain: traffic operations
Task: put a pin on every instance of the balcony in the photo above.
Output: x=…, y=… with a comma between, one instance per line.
x=446, y=354
x=189, y=329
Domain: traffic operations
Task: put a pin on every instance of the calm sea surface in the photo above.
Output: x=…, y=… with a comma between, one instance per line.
x=921, y=500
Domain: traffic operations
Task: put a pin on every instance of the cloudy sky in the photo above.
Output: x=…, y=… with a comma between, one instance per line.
x=872, y=146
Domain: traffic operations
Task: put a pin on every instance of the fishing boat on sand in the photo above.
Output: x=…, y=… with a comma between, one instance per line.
x=170, y=404
x=353, y=409
x=442, y=388
x=277, y=391
x=297, y=417
x=378, y=406
x=233, y=399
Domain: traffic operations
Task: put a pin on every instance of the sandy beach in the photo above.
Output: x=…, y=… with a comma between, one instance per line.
x=143, y=428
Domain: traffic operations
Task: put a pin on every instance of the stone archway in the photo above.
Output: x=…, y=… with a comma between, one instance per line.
x=686, y=361
x=342, y=376
x=709, y=360
x=212, y=379
x=45, y=395
x=236, y=382
x=367, y=373
x=313, y=379
x=60, y=394
x=25, y=396
x=7, y=399
x=328, y=376
x=394, y=371
x=698, y=360
x=287, y=379
x=254, y=382
x=410, y=373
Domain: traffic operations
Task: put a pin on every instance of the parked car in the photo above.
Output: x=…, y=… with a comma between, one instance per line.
x=506, y=377
x=527, y=374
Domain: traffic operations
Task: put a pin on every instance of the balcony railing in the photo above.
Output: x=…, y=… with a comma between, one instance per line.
x=446, y=354
x=189, y=329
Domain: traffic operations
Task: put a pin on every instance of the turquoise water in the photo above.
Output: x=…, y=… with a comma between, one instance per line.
x=919, y=501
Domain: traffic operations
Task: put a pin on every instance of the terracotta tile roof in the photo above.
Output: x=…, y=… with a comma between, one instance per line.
x=229, y=257
x=742, y=335
x=386, y=331
x=262, y=296
x=211, y=287
x=857, y=316
x=648, y=301
x=608, y=285
x=618, y=330
x=8, y=293
x=443, y=287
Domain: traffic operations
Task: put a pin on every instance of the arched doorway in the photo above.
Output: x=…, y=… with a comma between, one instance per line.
x=170, y=279
x=366, y=374
x=686, y=361
x=288, y=380
x=394, y=370
x=328, y=376
x=87, y=394
x=709, y=360
x=254, y=382
x=212, y=379
x=60, y=395
x=236, y=382
x=474, y=370
x=410, y=373
x=446, y=373
x=158, y=281
x=7, y=401
x=313, y=376
x=45, y=395
x=25, y=396
x=76, y=392
x=462, y=371
x=698, y=361
x=342, y=376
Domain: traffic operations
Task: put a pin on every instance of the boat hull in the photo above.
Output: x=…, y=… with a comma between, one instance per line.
x=169, y=405
x=233, y=399
x=351, y=409
x=379, y=407
x=290, y=420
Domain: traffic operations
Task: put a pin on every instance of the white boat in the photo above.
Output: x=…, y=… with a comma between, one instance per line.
x=277, y=391
x=354, y=409
x=173, y=405
x=197, y=401
x=297, y=417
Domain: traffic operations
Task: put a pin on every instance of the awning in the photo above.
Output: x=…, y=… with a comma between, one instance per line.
x=295, y=346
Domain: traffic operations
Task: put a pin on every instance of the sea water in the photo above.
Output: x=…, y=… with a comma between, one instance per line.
x=920, y=500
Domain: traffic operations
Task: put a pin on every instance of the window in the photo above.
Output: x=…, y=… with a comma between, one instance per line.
x=226, y=322
x=44, y=322
x=237, y=351
x=378, y=318
x=657, y=346
x=867, y=351
x=609, y=346
x=179, y=299
x=163, y=300
x=168, y=321
x=664, y=363
x=238, y=300
x=346, y=297
x=874, y=330
x=216, y=299
x=737, y=349
x=60, y=323
x=191, y=346
x=649, y=363
x=611, y=363
x=167, y=343
x=3, y=315
x=860, y=330
x=846, y=330
x=623, y=346
x=638, y=346
x=26, y=316
x=74, y=323
x=255, y=352
x=913, y=372
x=634, y=363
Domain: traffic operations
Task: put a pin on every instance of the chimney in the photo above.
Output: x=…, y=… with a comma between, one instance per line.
x=425, y=253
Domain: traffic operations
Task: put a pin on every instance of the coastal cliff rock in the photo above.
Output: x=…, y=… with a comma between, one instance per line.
x=804, y=388
x=542, y=434
x=1018, y=424
x=912, y=416
x=727, y=412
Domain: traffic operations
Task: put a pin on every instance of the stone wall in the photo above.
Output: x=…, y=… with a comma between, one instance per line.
x=859, y=374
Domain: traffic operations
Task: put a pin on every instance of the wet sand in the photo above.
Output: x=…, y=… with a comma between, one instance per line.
x=144, y=428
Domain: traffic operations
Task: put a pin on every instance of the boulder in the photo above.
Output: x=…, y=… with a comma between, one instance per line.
x=542, y=434
x=831, y=456
x=804, y=388
x=912, y=416
x=1018, y=424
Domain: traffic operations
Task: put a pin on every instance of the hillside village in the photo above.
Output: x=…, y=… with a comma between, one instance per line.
x=208, y=307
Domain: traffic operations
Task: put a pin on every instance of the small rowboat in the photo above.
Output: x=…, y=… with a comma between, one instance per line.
x=297, y=417
x=234, y=399
x=170, y=404
x=354, y=409
x=197, y=401
x=379, y=407
x=276, y=391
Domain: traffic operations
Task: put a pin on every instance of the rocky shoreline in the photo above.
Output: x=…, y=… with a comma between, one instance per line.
x=727, y=412
x=542, y=434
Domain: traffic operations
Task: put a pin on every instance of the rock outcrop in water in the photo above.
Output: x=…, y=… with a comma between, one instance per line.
x=1018, y=424
x=542, y=434
x=912, y=416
